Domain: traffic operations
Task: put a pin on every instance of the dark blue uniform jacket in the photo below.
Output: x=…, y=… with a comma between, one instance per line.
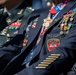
x=44, y=62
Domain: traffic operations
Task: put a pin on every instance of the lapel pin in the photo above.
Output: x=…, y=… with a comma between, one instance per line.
x=8, y=20
x=20, y=12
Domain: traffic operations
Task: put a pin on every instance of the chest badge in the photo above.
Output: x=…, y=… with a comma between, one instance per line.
x=15, y=25
x=52, y=43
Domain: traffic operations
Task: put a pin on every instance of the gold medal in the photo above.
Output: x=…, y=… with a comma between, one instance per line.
x=45, y=20
x=65, y=27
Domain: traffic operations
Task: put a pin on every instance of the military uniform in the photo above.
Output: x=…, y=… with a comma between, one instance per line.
x=11, y=25
x=54, y=48
x=12, y=21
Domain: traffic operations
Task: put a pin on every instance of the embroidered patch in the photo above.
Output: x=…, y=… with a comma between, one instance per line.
x=52, y=43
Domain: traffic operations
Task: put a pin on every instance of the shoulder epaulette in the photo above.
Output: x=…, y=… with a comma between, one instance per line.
x=29, y=9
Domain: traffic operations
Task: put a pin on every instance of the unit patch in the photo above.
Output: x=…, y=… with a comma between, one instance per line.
x=52, y=43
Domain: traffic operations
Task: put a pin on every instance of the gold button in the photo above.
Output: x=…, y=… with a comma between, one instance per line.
x=48, y=4
x=24, y=44
x=8, y=35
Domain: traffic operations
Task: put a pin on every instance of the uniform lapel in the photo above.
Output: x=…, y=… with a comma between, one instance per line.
x=34, y=32
x=17, y=14
x=32, y=15
x=14, y=16
x=10, y=19
x=25, y=50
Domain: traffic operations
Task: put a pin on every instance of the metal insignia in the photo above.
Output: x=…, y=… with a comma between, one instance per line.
x=8, y=20
x=20, y=12
x=49, y=60
x=52, y=43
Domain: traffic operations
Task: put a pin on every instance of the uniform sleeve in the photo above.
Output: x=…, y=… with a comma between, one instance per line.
x=60, y=60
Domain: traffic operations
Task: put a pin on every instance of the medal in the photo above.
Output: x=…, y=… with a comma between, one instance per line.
x=25, y=42
x=38, y=40
x=34, y=25
x=64, y=24
x=46, y=23
x=15, y=25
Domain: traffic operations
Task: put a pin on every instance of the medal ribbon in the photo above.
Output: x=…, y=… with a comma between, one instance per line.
x=56, y=9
